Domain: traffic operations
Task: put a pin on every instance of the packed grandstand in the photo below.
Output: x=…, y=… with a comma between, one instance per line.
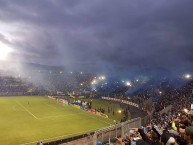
x=165, y=113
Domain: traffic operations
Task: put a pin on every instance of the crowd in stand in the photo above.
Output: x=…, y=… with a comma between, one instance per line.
x=171, y=128
x=181, y=98
x=45, y=82
x=11, y=86
x=177, y=130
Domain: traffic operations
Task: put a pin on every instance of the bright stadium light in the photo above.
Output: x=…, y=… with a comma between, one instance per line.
x=128, y=83
x=93, y=82
x=187, y=76
x=102, y=78
x=4, y=51
x=119, y=111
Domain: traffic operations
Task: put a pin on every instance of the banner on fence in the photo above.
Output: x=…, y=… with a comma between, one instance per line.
x=121, y=101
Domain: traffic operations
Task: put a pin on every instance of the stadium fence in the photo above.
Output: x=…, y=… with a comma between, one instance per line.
x=103, y=135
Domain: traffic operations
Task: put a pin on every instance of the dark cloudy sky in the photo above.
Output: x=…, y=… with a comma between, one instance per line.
x=103, y=33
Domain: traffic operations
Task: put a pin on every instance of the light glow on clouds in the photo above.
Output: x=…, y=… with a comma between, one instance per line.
x=4, y=51
x=123, y=36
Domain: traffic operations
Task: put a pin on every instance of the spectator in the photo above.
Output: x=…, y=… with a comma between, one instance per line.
x=167, y=139
x=189, y=135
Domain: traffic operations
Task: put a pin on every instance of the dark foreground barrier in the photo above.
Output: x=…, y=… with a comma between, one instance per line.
x=103, y=135
x=62, y=141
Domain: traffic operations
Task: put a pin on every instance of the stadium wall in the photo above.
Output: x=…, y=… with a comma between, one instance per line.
x=11, y=93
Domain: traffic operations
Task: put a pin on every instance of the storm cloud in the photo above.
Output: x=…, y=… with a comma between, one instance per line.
x=109, y=35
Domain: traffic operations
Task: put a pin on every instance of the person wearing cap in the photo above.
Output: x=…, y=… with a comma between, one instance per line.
x=167, y=139
x=189, y=135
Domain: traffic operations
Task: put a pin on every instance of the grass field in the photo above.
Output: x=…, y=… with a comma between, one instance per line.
x=105, y=104
x=27, y=120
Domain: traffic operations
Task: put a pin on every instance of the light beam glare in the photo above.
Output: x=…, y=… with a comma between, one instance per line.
x=4, y=51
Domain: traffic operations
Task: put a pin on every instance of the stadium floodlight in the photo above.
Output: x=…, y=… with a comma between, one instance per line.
x=119, y=111
x=103, y=77
x=93, y=82
x=160, y=92
x=187, y=76
x=128, y=83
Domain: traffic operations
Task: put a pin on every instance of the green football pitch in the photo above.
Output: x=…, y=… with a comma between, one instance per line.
x=28, y=120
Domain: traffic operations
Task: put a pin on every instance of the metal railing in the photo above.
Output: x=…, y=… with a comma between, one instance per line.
x=103, y=135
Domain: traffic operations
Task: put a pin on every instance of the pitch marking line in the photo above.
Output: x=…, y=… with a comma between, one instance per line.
x=57, y=137
x=26, y=110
